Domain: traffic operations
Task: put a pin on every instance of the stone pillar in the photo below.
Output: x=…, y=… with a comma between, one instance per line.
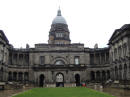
x=100, y=58
x=94, y=58
x=105, y=58
x=23, y=56
x=17, y=78
x=95, y=76
x=52, y=76
x=11, y=59
x=17, y=60
x=101, y=76
x=12, y=76
x=106, y=76
x=23, y=78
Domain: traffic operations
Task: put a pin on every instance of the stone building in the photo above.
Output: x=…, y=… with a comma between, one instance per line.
x=62, y=63
x=119, y=52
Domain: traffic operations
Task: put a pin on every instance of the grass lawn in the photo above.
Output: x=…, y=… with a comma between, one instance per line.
x=62, y=92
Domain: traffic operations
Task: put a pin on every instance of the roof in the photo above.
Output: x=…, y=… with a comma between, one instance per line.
x=124, y=29
x=59, y=18
x=3, y=36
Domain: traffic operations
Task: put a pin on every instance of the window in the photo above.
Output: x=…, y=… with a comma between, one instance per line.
x=59, y=34
x=76, y=60
x=125, y=49
x=42, y=60
x=60, y=42
x=115, y=53
x=59, y=62
x=119, y=51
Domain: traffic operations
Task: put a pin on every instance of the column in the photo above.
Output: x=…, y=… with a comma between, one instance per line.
x=11, y=59
x=101, y=76
x=94, y=58
x=23, y=77
x=12, y=76
x=17, y=62
x=105, y=58
x=95, y=76
x=17, y=77
x=100, y=58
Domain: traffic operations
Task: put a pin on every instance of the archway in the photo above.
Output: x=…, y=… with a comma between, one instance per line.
x=120, y=72
x=41, y=80
x=77, y=79
x=20, y=76
x=15, y=76
x=108, y=75
x=116, y=73
x=103, y=76
x=59, y=80
x=98, y=77
x=92, y=75
x=10, y=76
x=125, y=72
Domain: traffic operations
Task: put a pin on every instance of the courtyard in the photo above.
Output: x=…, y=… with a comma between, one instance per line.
x=63, y=92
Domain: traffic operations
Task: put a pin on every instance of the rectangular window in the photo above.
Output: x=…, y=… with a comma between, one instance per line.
x=59, y=35
x=42, y=60
x=76, y=60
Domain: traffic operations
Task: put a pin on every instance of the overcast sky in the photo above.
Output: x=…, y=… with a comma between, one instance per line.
x=89, y=21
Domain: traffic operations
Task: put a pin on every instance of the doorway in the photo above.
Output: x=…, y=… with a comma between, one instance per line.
x=59, y=80
x=41, y=80
x=77, y=79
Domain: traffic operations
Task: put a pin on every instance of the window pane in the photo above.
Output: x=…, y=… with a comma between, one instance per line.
x=42, y=58
x=76, y=60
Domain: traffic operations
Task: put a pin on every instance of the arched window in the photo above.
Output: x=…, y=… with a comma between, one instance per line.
x=59, y=62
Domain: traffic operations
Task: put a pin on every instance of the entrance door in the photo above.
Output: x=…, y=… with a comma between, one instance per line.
x=77, y=79
x=59, y=80
x=41, y=80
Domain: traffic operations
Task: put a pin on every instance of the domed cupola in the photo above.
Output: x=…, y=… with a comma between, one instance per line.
x=59, y=18
x=59, y=32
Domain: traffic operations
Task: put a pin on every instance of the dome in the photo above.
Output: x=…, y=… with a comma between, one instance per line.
x=126, y=26
x=59, y=18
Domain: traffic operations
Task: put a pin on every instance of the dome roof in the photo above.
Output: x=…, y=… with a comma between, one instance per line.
x=59, y=18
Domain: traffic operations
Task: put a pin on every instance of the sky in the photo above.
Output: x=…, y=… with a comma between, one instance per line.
x=89, y=21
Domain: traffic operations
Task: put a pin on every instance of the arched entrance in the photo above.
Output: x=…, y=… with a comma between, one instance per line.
x=59, y=80
x=92, y=74
x=41, y=80
x=77, y=79
x=98, y=77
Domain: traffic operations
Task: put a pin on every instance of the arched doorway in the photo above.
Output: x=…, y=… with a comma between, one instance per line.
x=92, y=74
x=77, y=79
x=125, y=72
x=116, y=73
x=108, y=75
x=98, y=77
x=10, y=76
x=103, y=76
x=59, y=80
x=41, y=80
x=120, y=72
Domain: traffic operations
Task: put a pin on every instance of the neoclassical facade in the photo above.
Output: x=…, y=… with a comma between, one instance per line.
x=62, y=63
